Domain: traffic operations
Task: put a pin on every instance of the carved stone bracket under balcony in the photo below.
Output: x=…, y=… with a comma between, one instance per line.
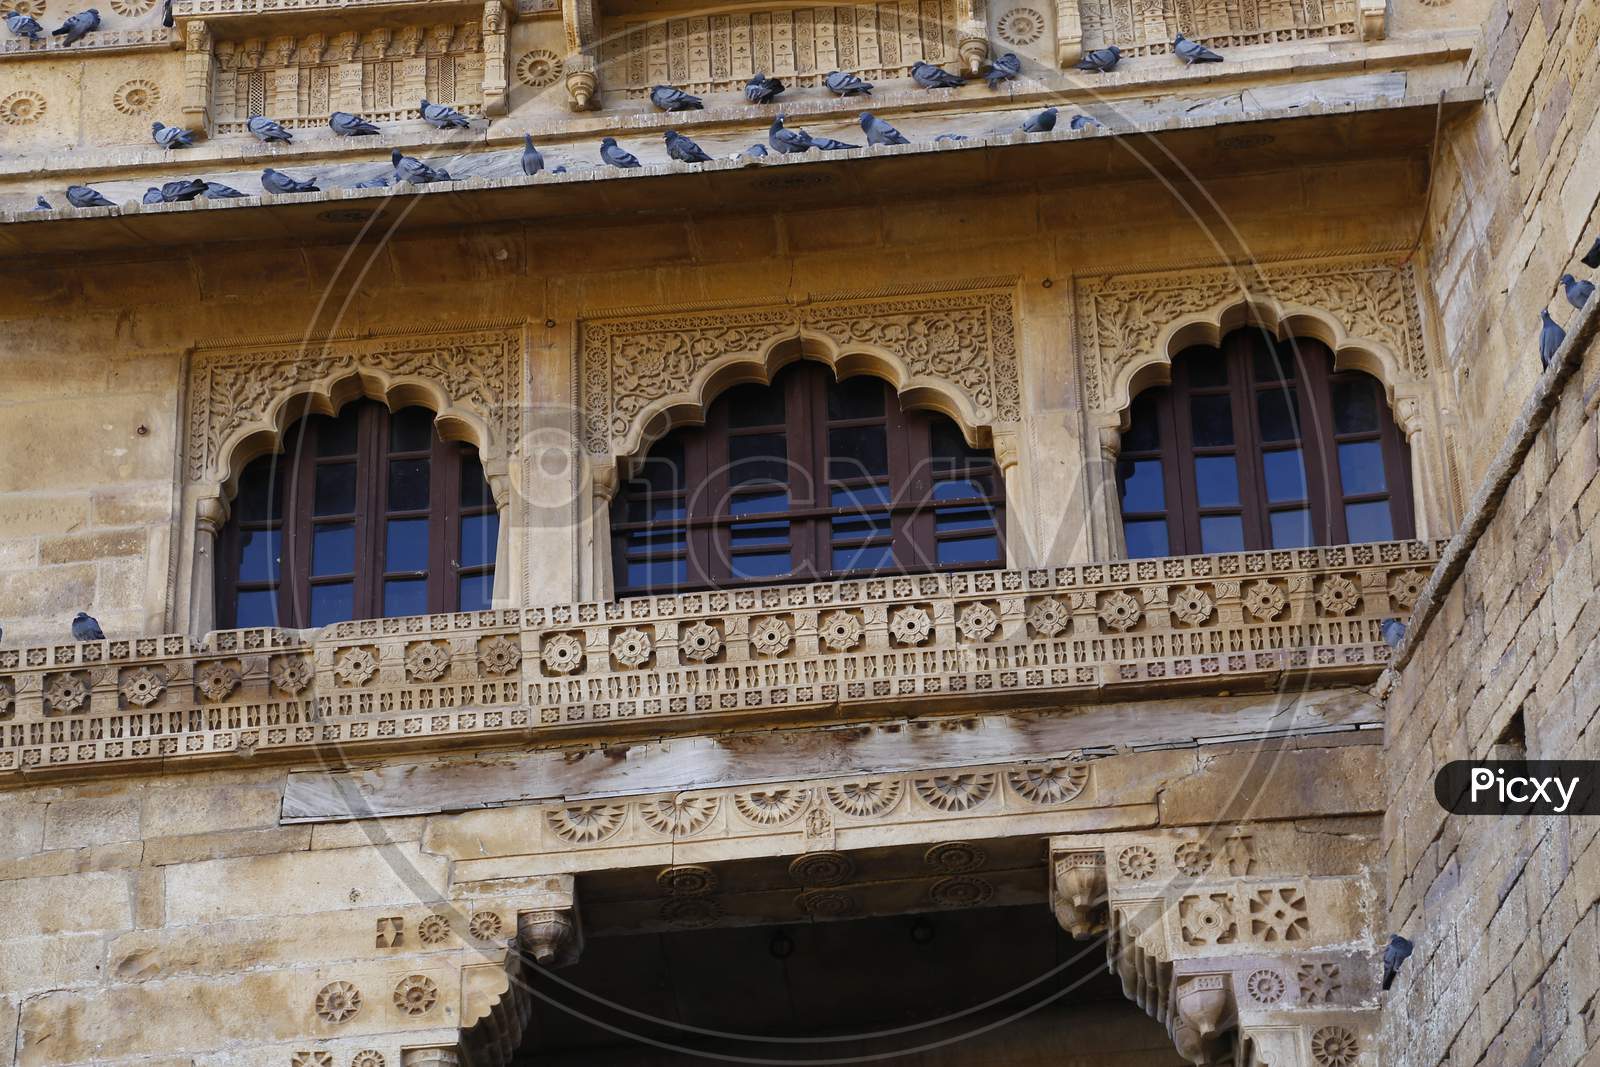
x=1255, y=936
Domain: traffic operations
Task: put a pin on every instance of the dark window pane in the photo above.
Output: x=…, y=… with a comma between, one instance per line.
x=408, y=484
x=411, y=430
x=961, y=488
x=758, y=503
x=1370, y=521
x=654, y=573
x=258, y=555
x=1216, y=480
x=336, y=489
x=337, y=437
x=651, y=542
x=258, y=491
x=1291, y=529
x=480, y=535
x=759, y=457
x=754, y=405
x=474, y=486
x=860, y=397
x=947, y=520
x=861, y=496
x=477, y=592
x=863, y=558
x=1146, y=538
x=945, y=441
x=760, y=565
x=1222, y=533
x=1144, y=431
x=1212, y=418
x=1280, y=420
x=256, y=607
x=857, y=451
x=1286, y=475
x=406, y=545
x=644, y=509
x=970, y=550
x=1143, y=488
x=332, y=603
x=1206, y=367
x=1361, y=468
x=1355, y=405
x=333, y=548
x=1274, y=363
x=754, y=534
x=860, y=526
x=662, y=469
x=407, y=596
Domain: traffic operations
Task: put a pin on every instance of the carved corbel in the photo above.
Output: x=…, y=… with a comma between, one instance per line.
x=1201, y=1013
x=1069, y=33
x=497, y=16
x=431, y=1056
x=552, y=936
x=972, y=35
x=198, y=59
x=583, y=41
x=1078, y=892
x=1374, y=15
x=582, y=84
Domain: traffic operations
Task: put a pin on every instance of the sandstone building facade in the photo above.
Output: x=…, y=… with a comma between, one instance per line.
x=920, y=603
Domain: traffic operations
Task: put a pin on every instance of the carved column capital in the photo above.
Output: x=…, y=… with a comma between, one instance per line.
x=1078, y=891
x=431, y=1056
x=550, y=935
x=583, y=85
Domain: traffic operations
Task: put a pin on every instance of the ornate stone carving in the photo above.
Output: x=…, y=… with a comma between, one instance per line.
x=143, y=686
x=1338, y=595
x=635, y=367
x=338, y=1002
x=390, y=932
x=311, y=1058
x=1048, y=616
x=548, y=935
x=136, y=97
x=954, y=792
x=1192, y=858
x=978, y=621
x=700, y=642
x=1050, y=783
x=679, y=816
x=22, y=108
x=822, y=868
x=291, y=674
x=690, y=913
x=368, y=1057
x=910, y=625
x=956, y=857
x=1265, y=986
x=961, y=891
x=840, y=631
x=1021, y=26
x=539, y=68
x=67, y=693
x=1279, y=914
x=356, y=667
x=771, y=807
x=1120, y=611
x=434, y=929
x=427, y=661
x=1334, y=1046
x=588, y=822
x=1207, y=919
x=1319, y=982
x=771, y=635
x=1265, y=600
x=216, y=680
x=499, y=655
x=485, y=926
x=687, y=880
x=415, y=994
x=1149, y=30
x=562, y=653
x=1136, y=862
x=866, y=798
x=1078, y=892
x=631, y=647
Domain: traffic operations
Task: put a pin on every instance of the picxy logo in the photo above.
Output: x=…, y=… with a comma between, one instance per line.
x=1519, y=787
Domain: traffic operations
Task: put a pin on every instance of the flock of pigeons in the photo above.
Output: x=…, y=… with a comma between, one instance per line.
x=1578, y=293
x=410, y=170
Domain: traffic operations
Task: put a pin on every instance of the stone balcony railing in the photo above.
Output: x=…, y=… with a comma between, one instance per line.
x=778, y=654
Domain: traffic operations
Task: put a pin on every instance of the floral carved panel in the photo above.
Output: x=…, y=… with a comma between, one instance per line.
x=962, y=343
x=1123, y=320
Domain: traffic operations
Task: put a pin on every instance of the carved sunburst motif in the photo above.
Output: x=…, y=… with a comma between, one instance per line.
x=865, y=798
x=770, y=807
x=136, y=97
x=586, y=823
x=955, y=792
x=1049, y=783
x=677, y=816
x=338, y=1002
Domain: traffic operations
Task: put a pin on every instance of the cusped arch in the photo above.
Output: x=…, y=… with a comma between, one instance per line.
x=688, y=406
x=1283, y=320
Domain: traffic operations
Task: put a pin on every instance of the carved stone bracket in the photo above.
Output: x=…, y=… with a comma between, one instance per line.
x=497, y=18
x=972, y=35
x=552, y=936
x=1078, y=892
x=582, y=26
x=198, y=62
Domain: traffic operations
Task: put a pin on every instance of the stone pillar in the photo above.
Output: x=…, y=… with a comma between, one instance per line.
x=1019, y=549
x=496, y=74
x=210, y=514
x=1103, y=501
x=1069, y=33
x=198, y=60
x=1430, y=479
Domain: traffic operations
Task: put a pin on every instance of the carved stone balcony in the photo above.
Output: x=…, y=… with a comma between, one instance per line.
x=768, y=656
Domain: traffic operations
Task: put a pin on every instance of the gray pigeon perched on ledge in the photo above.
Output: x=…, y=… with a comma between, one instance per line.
x=152, y=195
x=1396, y=952
x=615, y=155
x=880, y=132
x=532, y=161
x=275, y=181
x=218, y=191
x=668, y=98
x=1550, y=338
x=949, y=137
x=846, y=84
x=41, y=204
x=171, y=136
x=1084, y=122
x=266, y=131
x=347, y=125
x=1578, y=293
x=787, y=141
x=762, y=89
x=413, y=170
x=382, y=181
x=828, y=144
x=86, y=628
x=1191, y=53
x=179, y=192
x=1591, y=258
x=76, y=26
x=1394, y=631
x=755, y=151
x=24, y=26
x=441, y=117
x=1043, y=122
x=83, y=196
x=929, y=76
x=1003, y=69
x=683, y=149
x=1101, y=60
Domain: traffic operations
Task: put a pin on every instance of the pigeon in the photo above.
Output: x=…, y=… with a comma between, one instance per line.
x=85, y=628
x=266, y=131
x=532, y=161
x=880, y=132
x=83, y=196
x=828, y=144
x=218, y=191
x=562, y=169
x=684, y=150
x=762, y=89
x=178, y=192
x=929, y=76
x=41, y=204
x=786, y=141
x=166, y=13
x=950, y=137
x=171, y=136
x=1578, y=293
x=382, y=181
x=669, y=99
x=1591, y=258
x=1394, y=954
x=1084, y=122
x=1003, y=69
x=617, y=157
x=1550, y=338
x=276, y=181
x=1192, y=53
x=1394, y=631
x=76, y=26
x=1043, y=122
x=152, y=195
x=23, y=26
x=846, y=84
x=414, y=171
x=441, y=117
x=1101, y=60
x=347, y=125
x=755, y=151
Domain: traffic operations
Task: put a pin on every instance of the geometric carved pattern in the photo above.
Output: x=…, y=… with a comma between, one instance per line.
x=1147, y=29
x=1278, y=914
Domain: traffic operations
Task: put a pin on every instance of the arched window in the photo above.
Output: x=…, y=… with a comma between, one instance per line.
x=806, y=479
x=1261, y=444
x=367, y=514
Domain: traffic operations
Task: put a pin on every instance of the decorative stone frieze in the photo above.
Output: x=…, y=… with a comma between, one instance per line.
x=1082, y=25
x=492, y=673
